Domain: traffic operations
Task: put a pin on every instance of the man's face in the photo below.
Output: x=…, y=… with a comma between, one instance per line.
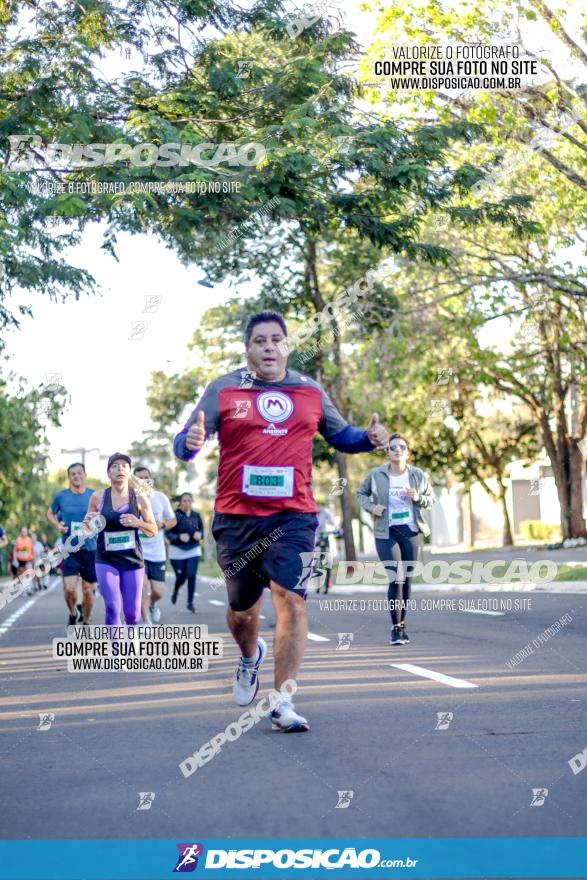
x=264, y=355
x=77, y=477
x=145, y=476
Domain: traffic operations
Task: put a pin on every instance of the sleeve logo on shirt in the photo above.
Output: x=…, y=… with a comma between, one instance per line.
x=274, y=406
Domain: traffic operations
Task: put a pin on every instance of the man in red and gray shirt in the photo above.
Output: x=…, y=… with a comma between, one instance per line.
x=265, y=515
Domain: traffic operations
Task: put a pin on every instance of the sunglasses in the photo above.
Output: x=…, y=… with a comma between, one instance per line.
x=395, y=446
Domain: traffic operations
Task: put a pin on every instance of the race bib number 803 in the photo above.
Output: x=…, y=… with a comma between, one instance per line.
x=272, y=482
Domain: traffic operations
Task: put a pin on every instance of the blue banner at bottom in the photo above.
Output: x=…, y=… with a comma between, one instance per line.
x=288, y=858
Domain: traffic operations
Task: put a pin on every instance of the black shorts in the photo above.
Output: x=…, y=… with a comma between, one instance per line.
x=82, y=562
x=253, y=550
x=155, y=571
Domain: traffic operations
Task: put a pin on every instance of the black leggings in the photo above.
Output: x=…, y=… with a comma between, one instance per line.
x=186, y=569
x=403, y=545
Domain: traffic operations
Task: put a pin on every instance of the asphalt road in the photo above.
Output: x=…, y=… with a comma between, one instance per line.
x=373, y=730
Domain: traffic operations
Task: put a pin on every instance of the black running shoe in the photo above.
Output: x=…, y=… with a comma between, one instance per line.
x=191, y=608
x=396, y=638
x=72, y=620
x=80, y=614
x=404, y=636
x=174, y=597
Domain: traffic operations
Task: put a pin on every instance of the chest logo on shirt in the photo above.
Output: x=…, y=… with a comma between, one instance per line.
x=275, y=406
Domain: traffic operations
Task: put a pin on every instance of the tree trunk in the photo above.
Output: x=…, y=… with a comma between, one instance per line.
x=557, y=454
x=335, y=389
x=311, y=282
x=346, y=509
x=507, y=538
x=577, y=474
x=470, y=537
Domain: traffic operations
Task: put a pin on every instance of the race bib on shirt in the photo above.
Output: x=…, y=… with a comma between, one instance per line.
x=399, y=516
x=119, y=541
x=268, y=482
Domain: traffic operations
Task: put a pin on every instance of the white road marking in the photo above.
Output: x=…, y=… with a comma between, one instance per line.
x=315, y=638
x=479, y=611
x=436, y=676
x=215, y=602
x=16, y=614
x=262, y=617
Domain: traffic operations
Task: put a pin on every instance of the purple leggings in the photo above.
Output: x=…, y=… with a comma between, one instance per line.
x=120, y=589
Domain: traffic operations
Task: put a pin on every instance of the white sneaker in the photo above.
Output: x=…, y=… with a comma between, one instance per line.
x=155, y=613
x=246, y=678
x=285, y=718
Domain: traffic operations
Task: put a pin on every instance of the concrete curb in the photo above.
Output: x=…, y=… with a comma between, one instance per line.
x=570, y=587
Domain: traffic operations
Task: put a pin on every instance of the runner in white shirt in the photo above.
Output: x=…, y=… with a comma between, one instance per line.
x=37, y=553
x=154, y=550
x=325, y=518
x=395, y=494
x=39, y=548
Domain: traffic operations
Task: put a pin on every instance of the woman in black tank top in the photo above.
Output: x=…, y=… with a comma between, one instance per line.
x=119, y=556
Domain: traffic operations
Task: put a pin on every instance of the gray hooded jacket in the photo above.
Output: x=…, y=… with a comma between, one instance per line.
x=374, y=490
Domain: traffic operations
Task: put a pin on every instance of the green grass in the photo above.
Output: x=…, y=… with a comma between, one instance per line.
x=572, y=573
x=209, y=568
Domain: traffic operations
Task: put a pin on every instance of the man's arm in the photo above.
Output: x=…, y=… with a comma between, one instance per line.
x=190, y=439
x=345, y=437
x=168, y=520
x=53, y=516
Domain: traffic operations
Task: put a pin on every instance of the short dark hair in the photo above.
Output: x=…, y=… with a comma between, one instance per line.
x=142, y=467
x=76, y=464
x=261, y=318
x=398, y=436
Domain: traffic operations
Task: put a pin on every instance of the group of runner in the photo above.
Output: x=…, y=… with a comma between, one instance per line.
x=127, y=560
x=265, y=516
x=26, y=551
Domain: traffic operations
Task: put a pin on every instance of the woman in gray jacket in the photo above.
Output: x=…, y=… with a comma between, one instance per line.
x=396, y=493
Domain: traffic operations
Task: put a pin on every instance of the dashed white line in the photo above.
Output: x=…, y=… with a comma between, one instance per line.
x=216, y=602
x=28, y=604
x=480, y=611
x=435, y=676
x=312, y=637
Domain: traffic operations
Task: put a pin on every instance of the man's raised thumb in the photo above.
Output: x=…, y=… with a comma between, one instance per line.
x=201, y=419
x=374, y=420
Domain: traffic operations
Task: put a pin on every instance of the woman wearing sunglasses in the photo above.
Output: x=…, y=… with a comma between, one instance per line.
x=396, y=493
